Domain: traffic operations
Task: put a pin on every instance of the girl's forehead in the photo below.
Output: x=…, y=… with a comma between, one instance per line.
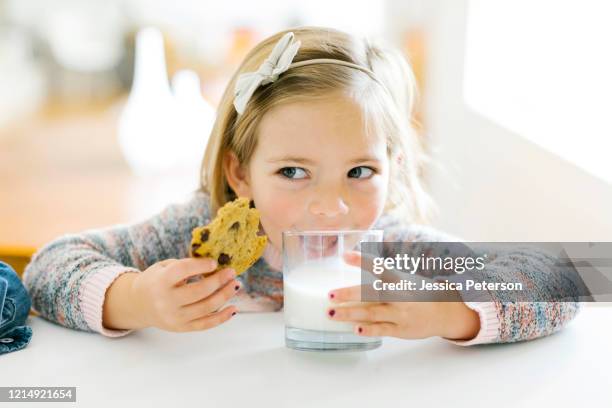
x=331, y=124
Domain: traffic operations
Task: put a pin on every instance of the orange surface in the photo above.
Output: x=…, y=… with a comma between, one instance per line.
x=62, y=171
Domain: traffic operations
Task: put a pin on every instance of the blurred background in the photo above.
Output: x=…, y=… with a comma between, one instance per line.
x=514, y=107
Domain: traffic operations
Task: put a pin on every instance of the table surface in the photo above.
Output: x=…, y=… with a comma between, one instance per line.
x=245, y=361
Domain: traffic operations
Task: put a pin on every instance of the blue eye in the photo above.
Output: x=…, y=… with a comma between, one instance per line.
x=358, y=172
x=290, y=172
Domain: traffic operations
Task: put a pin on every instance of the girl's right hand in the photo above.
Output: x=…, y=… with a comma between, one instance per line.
x=165, y=300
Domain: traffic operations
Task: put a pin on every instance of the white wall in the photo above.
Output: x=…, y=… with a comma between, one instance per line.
x=496, y=185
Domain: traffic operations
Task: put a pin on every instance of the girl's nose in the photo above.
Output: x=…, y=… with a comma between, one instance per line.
x=328, y=205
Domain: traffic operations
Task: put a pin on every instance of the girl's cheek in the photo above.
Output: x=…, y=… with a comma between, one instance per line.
x=369, y=203
x=281, y=208
x=279, y=211
x=368, y=212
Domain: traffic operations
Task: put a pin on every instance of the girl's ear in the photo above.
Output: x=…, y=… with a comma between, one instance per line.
x=236, y=175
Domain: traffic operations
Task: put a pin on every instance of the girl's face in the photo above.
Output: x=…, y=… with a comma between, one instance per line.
x=315, y=168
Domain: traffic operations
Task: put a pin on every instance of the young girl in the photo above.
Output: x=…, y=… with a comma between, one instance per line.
x=314, y=128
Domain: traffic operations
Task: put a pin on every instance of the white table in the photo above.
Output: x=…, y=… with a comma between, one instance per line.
x=245, y=362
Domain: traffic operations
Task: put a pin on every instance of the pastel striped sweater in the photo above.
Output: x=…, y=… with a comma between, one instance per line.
x=68, y=278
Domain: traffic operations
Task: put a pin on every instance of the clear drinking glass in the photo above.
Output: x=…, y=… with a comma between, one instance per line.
x=313, y=265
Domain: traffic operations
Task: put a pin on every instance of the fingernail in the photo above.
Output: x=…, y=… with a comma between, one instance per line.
x=331, y=313
x=360, y=330
x=332, y=295
x=236, y=287
x=233, y=313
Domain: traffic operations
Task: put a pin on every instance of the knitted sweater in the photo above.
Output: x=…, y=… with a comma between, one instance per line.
x=68, y=278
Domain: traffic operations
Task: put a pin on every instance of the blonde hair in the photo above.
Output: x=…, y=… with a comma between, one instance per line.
x=387, y=109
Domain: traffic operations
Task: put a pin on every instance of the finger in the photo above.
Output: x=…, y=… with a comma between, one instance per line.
x=366, y=263
x=203, y=288
x=353, y=258
x=212, y=320
x=347, y=294
x=212, y=303
x=166, y=262
x=378, y=312
x=377, y=329
x=185, y=268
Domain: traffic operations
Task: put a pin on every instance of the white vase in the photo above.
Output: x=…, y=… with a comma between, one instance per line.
x=148, y=120
x=195, y=120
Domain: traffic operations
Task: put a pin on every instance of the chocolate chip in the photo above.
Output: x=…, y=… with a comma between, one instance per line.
x=260, y=231
x=204, y=235
x=251, y=204
x=235, y=226
x=223, y=259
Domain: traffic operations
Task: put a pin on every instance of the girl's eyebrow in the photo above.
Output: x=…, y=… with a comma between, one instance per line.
x=304, y=160
x=291, y=159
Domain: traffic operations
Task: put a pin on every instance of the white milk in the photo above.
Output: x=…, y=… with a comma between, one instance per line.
x=306, y=291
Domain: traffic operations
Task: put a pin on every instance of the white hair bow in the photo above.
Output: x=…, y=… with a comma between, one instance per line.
x=277, y=62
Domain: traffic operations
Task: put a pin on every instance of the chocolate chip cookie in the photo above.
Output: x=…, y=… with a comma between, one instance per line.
x=232, y=237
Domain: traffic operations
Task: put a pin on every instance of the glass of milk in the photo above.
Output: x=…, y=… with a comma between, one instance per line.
x=313, y=265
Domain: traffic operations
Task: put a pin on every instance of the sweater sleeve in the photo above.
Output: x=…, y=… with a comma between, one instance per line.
x=67, y=279
x=505, y=321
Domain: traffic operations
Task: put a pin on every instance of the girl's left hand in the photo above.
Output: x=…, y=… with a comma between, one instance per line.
x=406, y=320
